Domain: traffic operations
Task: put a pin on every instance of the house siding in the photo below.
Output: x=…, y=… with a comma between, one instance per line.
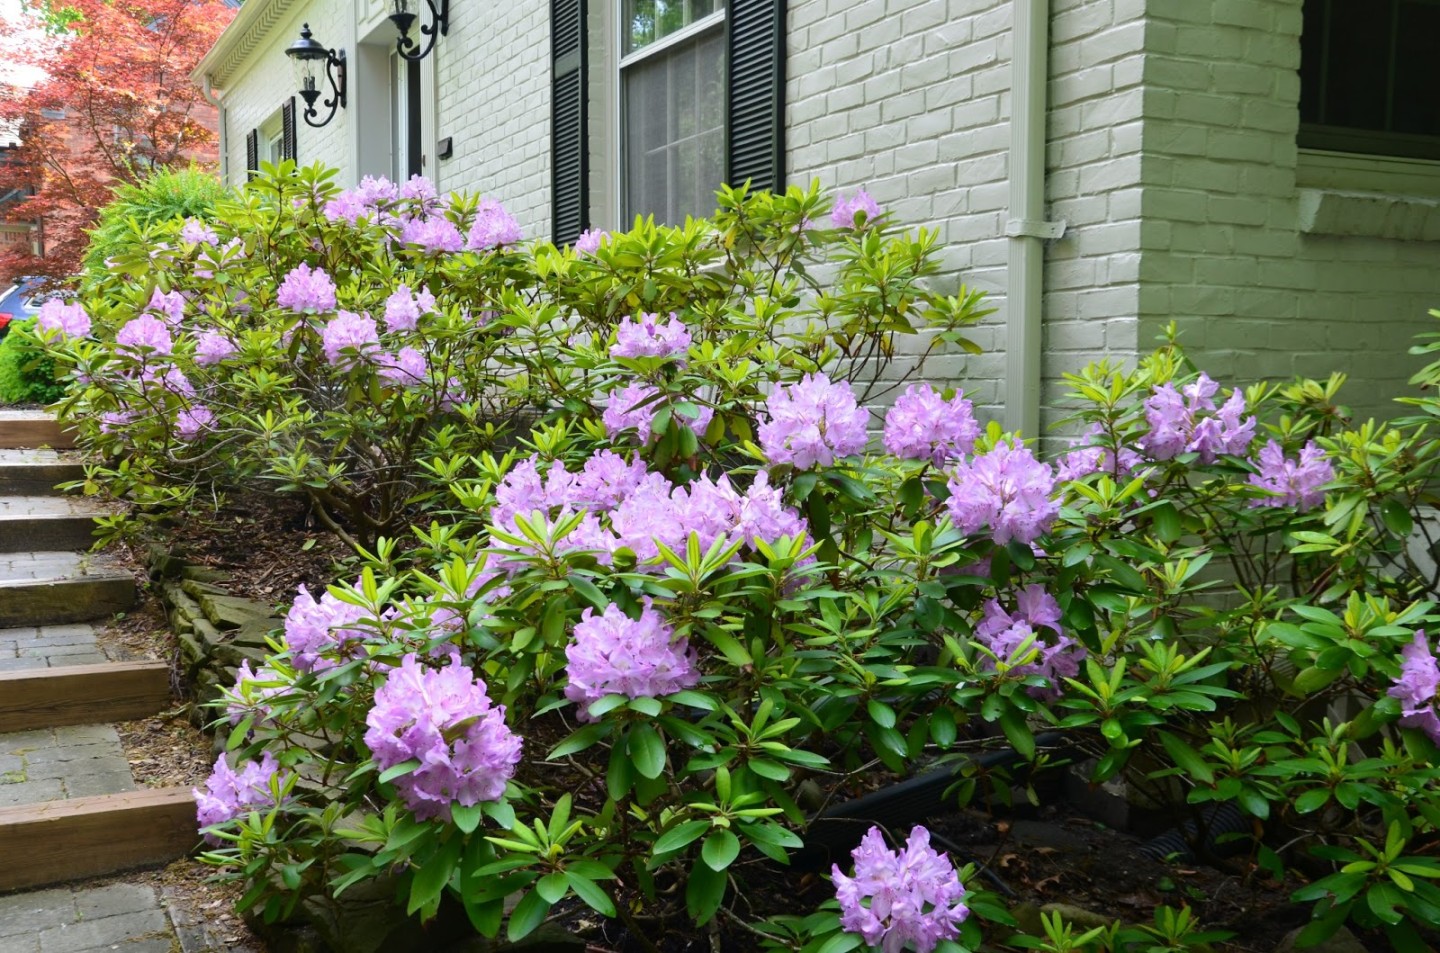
x=1222, y=247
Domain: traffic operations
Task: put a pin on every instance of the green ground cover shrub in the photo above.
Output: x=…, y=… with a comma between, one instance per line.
x=641, y=591
x=27, y=372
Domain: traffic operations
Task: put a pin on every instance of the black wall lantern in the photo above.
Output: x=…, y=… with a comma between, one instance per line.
x=309, y=55
x=404, y=18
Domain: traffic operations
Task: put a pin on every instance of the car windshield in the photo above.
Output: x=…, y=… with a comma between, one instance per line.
x=18, y=301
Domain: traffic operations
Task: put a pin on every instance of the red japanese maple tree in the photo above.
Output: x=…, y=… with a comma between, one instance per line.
x=113, y=100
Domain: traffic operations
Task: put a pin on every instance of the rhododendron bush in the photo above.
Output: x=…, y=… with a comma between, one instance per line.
x=693, y=559
x=360, y=348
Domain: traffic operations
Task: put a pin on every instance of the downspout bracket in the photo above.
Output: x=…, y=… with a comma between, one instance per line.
x=1026, y=228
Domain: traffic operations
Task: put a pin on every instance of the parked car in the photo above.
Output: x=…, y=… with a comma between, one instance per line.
x=21, y=300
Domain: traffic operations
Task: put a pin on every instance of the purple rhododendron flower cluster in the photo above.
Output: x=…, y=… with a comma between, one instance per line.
x=212, y=347
x=613, y=654
x=1418, y=684
x=313, y=628
x=1007, y=490
x=306, y=289
x=1187, y=421
x=492, y=228
x=168, y=306
x=634, y=406
x=922, y=425
x=1004, y=632
x=407, y=367
x=1088, y=455
x=197, y=232
x=249, y=698
x=348, y=330
x=647, y=337
x=643, y=509
x=434, y=233
x=1298, y=483
x=145, y=331
x=192, y=421
x=813, y=422
x=229, y=794
x=590, y=240
x=843, y=215
x=444, y=719
x=403, y=309
x=68, y=319
x=898, y=897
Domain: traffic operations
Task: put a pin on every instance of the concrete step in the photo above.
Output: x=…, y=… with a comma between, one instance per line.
x=36, y=472
x=33, y=428
x=82, y=694
x=50, y=588
x=46, y=523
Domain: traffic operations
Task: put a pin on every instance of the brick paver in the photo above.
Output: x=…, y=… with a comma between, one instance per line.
x=49, y=645
x=128, y=917
x=50, y=764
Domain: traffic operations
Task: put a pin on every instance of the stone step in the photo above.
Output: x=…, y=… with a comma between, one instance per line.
x=82, y=694
x=54, y=841
x=53, y=523
x=50, y=588
x=33, y=428
x=36, y=472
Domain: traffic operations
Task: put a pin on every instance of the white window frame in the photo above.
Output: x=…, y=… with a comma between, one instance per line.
x=685, y=34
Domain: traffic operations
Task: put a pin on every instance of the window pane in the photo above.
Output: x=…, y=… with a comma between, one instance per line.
x=1359, y=55
x=1416, y=107
x=649, y=20
x=675, y=130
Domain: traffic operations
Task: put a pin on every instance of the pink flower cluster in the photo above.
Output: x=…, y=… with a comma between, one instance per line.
x=212, y=347
x=1187, y=421
x=306, y=290
x=433, y=233
x=1418, y=684
x=922, y=425
x=843, y=215
x=899, y=897
x=647, y=337
x=1088, y=455
x=812, y=423
x=168, y=306
x=403, y=309
x=613, y=654
x=492, y=228
x=228, y=795
x=1298, y=483
x=444, y=719
x=249, y=698
x=315, y=630
x=590, y=240
x=144, y=334
x=643, y=510
x=1007, y=490
x=1003, y=633
x=193, y=421
x=70, y=320
x=197, y=232
x=634, y=406
x=349, y=332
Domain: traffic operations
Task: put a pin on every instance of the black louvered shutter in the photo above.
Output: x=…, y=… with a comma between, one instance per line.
x=287, y=131
x=569, y=139
x=755, y=124
x=252, y=153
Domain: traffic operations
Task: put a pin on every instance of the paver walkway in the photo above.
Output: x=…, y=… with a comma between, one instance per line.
x=62, y=767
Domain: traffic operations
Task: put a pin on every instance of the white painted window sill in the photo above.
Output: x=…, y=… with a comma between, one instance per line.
x=1406, y=218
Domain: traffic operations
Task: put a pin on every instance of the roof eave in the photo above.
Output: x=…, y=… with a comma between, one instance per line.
x=238, y=40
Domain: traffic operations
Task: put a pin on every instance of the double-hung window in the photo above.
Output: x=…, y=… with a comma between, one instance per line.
x=1367, y=71
x=672, y=109
x=695, y=97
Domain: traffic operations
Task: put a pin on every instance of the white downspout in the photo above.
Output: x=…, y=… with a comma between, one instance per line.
x=208, y=92
x=1026, y=228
